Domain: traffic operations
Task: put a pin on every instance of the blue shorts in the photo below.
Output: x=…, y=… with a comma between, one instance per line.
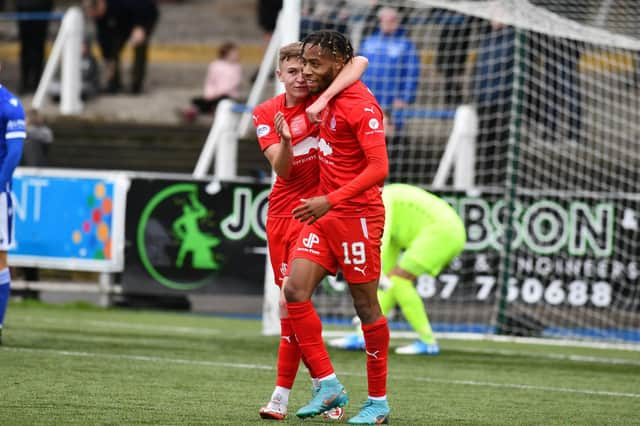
x=7, y=237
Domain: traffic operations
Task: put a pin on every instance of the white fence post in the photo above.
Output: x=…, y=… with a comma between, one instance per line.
x=222, y=142
x=226, y=165
x=71, y=72
x=460, y=150
x=68, y=46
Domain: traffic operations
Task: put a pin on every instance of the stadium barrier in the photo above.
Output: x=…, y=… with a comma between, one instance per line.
x=66, y=54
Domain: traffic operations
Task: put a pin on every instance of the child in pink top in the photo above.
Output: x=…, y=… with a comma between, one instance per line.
x=223, y=80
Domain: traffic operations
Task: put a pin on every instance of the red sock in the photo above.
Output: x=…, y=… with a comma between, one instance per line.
x=308, y=329
x=376, y=338
x=288, y=355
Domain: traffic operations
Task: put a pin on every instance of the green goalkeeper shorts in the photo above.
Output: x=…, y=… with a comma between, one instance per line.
x=432, y=249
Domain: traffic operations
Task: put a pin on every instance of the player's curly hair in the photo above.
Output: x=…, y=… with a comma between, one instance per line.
x=332, y=41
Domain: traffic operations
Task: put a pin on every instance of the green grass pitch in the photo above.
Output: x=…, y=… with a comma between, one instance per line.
x=81, y=365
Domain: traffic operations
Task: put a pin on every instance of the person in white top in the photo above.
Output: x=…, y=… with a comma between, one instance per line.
x=223, y=80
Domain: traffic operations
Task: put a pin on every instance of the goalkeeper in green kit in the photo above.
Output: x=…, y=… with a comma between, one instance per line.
x=422, y=233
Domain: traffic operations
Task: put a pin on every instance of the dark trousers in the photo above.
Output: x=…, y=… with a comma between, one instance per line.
x=139, y=67
x=33, y=35
x=207, y=106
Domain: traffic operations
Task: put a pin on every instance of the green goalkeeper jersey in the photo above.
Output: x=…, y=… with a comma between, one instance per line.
x=409, y=209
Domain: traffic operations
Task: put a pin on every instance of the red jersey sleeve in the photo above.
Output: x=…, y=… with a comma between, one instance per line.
x=366, y=121
x=263, y=122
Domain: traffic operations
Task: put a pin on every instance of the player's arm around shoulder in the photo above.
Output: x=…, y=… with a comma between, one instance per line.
x=351, y=73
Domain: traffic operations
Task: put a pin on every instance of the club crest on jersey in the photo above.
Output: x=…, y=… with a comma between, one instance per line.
x=374, y=123
x=283, y=268
x=298, y=125
x=263, y=130
x=332, y=124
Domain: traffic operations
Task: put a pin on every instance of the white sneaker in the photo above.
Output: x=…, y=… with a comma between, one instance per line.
x=352, y=342
x=419, y=348
x=273, y=411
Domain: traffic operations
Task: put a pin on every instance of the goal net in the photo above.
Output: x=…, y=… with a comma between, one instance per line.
x=552, y=199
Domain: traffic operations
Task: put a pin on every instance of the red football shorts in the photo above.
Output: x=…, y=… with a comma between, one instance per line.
x=282, y=236
x=351, y=243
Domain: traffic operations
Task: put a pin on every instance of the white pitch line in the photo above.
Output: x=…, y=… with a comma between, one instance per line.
x=128, y=326
x=560, y=357
x=144, y=358
x=529, y=387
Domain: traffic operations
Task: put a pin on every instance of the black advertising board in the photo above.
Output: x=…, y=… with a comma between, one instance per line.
x=181, y=239
x=569, y=249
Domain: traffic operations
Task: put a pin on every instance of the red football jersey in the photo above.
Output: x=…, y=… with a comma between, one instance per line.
x=304, y=177
x=352, y=122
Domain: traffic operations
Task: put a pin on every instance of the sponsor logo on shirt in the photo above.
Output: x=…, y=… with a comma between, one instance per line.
x=14, y=102
x=263, y=130
x=325, y=148
x=305, y=146
x=15, y=124
x=369, y=109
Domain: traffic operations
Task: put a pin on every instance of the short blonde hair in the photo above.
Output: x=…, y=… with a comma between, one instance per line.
x=291, y=50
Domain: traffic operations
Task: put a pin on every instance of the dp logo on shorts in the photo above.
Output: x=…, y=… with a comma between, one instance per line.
x=310, y=240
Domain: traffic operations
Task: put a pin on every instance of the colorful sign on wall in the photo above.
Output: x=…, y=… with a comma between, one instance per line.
x=69, y=219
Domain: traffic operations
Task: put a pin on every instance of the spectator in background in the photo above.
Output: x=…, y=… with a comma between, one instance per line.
x=492, y=89
x=38, y=141
x=557, y=105
x=223, y=80
x=268, y=11
x=90, y=86
x=394, y=65
x=453, y=49
x=318, y=16
x=118, y=23
x=33, y=35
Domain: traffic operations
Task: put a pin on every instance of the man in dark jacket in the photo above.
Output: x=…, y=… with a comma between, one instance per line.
x=33, y=35
x=119, y=22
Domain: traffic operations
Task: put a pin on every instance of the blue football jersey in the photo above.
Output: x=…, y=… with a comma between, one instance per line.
x=12, y=130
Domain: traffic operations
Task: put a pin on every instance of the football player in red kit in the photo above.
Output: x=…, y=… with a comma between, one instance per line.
x=293, y=156
x=343, y=228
